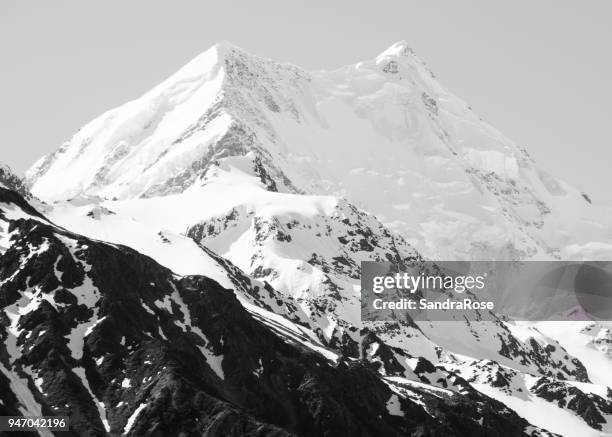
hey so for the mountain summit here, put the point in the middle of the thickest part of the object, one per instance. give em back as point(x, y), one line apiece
point(382, 133)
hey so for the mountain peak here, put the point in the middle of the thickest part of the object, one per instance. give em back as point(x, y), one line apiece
point(398, 49)
point(10, 180)
point(224, 47)
point(325, 133)
point(220, 50)
point(203, 67)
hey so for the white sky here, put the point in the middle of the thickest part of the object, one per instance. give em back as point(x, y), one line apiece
point(540, 71)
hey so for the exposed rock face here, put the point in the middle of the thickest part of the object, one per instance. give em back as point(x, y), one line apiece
point(589, 406)
point(9, 180)
point(123, 346)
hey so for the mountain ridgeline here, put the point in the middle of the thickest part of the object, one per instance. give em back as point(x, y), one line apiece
point(121, 345)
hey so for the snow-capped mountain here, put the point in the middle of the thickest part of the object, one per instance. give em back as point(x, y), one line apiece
point(276, 183)
point(382, 133)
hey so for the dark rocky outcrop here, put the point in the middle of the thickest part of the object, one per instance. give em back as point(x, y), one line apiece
point(113, 336)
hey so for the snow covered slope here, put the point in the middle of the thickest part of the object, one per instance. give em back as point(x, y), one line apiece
point(122, 346)
point(309, 248)
point(382, 133)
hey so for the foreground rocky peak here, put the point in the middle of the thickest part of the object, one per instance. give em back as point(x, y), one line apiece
point(121, 345)
point(8, 179)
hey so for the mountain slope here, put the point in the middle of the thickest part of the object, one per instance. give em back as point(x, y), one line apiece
point(382, 133)
point(123, 346)
point(309, 248)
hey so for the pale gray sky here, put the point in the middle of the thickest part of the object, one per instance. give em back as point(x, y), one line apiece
point(540, 71)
